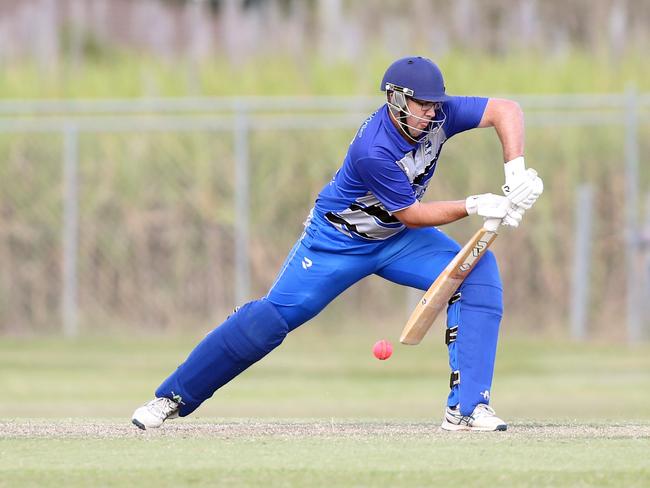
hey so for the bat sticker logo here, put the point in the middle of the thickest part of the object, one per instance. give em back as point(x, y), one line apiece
point(479, 248)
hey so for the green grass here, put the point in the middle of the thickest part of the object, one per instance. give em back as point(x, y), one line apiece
point(124, 74)
point(271, 426)
point(325, 373)
point(414, 461)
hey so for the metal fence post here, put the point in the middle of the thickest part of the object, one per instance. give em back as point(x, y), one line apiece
point(70, 230)
point(632, 217)
point(581, 262)
point(645, 247)
point(242, 208)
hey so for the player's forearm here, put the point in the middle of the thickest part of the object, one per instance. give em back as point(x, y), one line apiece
point(432, 213)
point(507, 118)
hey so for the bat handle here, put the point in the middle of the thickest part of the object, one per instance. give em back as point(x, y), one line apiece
point(491, 224)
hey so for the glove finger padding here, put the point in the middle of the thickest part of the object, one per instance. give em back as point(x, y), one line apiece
point(534, 195)
point(537, 183)
point(509, 221)
point(527, 191)
point(521, 193)
point(513, 217)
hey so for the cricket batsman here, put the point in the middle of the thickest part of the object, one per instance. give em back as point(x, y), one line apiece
point(369, 219)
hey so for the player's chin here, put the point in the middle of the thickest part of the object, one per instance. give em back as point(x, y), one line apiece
point(417, 132)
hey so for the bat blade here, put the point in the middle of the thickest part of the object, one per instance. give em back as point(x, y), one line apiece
point(439, 293)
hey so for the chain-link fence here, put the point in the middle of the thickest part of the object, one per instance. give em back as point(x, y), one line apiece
point(165, 214)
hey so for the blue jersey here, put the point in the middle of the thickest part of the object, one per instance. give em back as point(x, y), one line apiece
point(383, 173)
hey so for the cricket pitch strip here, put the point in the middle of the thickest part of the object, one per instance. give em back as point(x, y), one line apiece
point(325, 428)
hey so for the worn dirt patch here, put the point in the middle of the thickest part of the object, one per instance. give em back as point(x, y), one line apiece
point(252, 428)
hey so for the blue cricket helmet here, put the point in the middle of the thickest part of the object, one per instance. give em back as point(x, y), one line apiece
point(416, 77)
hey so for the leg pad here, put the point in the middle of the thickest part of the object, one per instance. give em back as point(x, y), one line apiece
point(245, 337)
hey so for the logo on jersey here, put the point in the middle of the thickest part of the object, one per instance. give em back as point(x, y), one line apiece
point(427, 147)
point(364, 125)
point(306, 262)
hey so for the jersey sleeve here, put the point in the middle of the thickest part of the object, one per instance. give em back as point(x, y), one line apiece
point(387, 182)
point(463, 113)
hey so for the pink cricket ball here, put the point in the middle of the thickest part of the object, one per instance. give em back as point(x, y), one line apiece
point(382, 349)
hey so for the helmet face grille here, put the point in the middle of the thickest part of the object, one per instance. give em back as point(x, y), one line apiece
point(399, 108)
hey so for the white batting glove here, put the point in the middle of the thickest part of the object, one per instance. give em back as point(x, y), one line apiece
point(523, 186)
point(514, 216)
point(491, 206)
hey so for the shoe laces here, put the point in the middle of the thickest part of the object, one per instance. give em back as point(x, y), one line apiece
point(163, 407)
point(483, 410)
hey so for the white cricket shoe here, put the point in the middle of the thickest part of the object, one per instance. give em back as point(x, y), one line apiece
point(482, 418)
point(152, 414)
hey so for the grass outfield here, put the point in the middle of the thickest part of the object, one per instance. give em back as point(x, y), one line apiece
point(321, 453)
point(321, 411)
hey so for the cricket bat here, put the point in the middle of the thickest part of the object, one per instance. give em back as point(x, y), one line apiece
point(437, 296)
